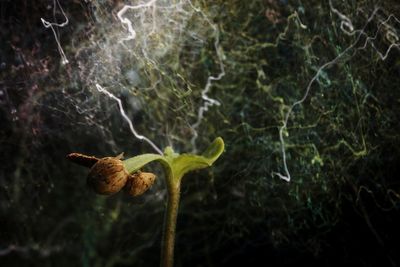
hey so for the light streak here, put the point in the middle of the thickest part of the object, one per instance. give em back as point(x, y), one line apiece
point(51, 25)
point(127, 22)
point(347, 27)
point(389, 35)
point(126, 118)
point(208, 101)
point(345, 23)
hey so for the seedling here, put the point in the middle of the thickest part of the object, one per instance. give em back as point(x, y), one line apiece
point(111, 174)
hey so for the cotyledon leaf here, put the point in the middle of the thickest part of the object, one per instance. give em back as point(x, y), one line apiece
point(178, 164)
point(181, 164)
point(134, 164)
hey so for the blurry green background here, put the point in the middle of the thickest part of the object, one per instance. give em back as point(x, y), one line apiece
point(342, 144)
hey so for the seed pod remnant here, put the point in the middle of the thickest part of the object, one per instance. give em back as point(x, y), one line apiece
point(139, 182)
point(108, 175)
point(83, 160)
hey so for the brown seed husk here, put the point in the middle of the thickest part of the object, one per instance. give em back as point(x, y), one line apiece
point(139, 182)
point(83, 160)
point(107, 176)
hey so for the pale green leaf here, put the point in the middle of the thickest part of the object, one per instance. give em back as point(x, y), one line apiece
point(134, 164)
point(184, 163)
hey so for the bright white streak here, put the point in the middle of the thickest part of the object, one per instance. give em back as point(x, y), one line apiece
point(208, 102)
point(345, 22)
point(129, 121)
point(51, 25)
point(383, 56)
point(389, 35)
point(127, 22)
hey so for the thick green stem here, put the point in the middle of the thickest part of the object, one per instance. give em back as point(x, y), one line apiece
point(168, 243)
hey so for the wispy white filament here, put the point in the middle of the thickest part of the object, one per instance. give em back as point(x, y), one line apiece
point(51, 25)
point(347, 27)
point(126, 118)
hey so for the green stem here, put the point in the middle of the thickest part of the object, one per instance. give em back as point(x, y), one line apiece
point(175, 167)
point(167, 247)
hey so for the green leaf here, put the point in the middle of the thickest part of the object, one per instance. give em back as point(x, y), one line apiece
point(134, 164)
point(214, 150)
point(178, 165)
point(181, 164)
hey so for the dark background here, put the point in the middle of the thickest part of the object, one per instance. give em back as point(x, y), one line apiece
point(344, 211)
